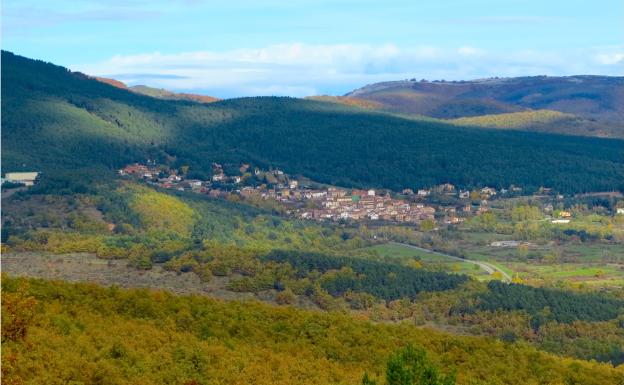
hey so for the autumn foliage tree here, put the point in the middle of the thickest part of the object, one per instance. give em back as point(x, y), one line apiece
point(17, 315)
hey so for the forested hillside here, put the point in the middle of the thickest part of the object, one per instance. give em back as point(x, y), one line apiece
point(587, 96)
point(590, 105)
point(59, 333)
point(102, 127)
point(544, 121)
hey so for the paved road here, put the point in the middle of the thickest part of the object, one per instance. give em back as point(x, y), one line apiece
point(488, 267)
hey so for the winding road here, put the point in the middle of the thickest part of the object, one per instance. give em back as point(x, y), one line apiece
point(488, 267)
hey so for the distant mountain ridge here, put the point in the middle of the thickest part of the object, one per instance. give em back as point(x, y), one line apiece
point(594, 104)
point(160, 93)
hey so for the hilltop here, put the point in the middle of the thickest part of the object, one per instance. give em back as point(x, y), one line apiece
point(159, 93)
point(593, 105)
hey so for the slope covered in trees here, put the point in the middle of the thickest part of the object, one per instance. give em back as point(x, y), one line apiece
point(153, 225)
point(102, 127)
point(544, 121)
point(544, 304)
point(384, 280)
point(577, 105)
point(248, 251)
point(593, 100)
point(59, 333)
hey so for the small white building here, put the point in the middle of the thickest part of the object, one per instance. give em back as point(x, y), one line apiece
point(506, 243)
point(27, 178)
point(195, 183)
point(488, 191)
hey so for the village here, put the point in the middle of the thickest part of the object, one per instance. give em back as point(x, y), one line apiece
point(309, 200)
point(306, 199)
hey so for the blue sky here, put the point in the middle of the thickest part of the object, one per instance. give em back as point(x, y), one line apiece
point(234, 48)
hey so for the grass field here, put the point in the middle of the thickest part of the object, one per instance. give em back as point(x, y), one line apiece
point(587, 264)
point(593, 252)
point(594, 274)
point(429, 260)
point(598, 263)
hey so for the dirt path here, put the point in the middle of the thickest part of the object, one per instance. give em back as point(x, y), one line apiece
point(488, 267)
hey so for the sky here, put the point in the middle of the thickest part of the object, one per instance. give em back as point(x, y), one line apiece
point(243, 47)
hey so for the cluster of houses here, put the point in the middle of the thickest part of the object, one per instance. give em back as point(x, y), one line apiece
point(338, 204)
point(168, 179)
point(327, 203)
point(450, 190)
point(219, 185)
point(321, 204)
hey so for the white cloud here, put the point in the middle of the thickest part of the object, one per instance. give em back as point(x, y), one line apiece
point(507, 20)
point(610, 58)
point(469, 51)
point(301, 69)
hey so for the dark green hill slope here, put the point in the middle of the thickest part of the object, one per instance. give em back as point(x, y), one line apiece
point(57, 121)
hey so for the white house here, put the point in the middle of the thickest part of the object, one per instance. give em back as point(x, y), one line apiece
point(27, 178)
point(488, 191)
point(194, 183)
